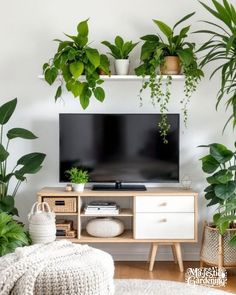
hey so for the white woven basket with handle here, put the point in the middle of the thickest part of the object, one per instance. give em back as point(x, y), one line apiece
point(42, 223)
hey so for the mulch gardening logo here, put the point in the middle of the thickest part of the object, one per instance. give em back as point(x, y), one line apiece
point(206, 276)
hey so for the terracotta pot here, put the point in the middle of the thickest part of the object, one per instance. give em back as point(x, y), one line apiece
point(171, 66)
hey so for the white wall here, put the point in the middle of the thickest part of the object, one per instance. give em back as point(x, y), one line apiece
point(27, 29)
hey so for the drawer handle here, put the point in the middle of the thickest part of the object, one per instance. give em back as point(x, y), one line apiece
point(163, 220)
point(60, 203)
point(163, 204)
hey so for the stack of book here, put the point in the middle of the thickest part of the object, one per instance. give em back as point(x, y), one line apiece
point(102, 208)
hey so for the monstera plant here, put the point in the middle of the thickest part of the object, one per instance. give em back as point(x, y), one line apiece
point(220, 165)
point(27, 164)
point(74, 58)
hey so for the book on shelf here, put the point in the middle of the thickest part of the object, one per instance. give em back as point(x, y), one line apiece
point(101, 208)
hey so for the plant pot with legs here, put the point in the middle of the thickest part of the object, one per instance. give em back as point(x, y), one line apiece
point(219, 237)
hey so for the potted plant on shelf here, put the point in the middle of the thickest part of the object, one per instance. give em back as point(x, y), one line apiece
point(28, 164)
point(219, 237)
point(221, 47)
point(73, 59)
point(120, 50)
point(78, 177)
point(12, 234)
point(168, 56)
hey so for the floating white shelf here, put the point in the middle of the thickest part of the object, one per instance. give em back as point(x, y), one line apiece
point(126, 77)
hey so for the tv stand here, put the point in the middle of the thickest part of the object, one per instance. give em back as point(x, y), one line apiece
point(118, 186)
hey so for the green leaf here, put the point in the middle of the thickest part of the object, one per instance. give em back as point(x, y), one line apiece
point(93, 56)
point(85, 96)
point(166, 30)
point(223, 176)
point(20, 132)
point(76, 69)
point(210, 195)
point(104, 63)
point(225, 191)
point(82, 28)
point(76, 88)
point(209, 164)
point(216, 217)
point(232, 241)
point(51, 75)
point(119, 42)
point(3, 153)
point(150, 38)
point(220, 153)
point(7, 204)
point(32, 158)
point(6, 111)
point(99, 93)
point(223, 227)
point(184, 19)
point(58, 93)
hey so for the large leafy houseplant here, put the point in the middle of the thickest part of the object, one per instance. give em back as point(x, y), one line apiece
point(74, 58)
point(220, 165)
point(153, 53)
point(27, 164)
point(12, 234)
point(221, 47)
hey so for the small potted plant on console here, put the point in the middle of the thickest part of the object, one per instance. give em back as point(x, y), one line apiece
point(78, 177)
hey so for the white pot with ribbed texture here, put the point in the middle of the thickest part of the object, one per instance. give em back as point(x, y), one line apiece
point(42, 223)
point(122, 66)
point(78, 187)
point(105, 227)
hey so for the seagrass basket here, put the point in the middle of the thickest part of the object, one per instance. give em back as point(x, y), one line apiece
point(215, 248)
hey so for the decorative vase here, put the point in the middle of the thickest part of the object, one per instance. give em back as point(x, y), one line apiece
point(105, 227)
point(171, 66)
point(78, 187)
point(122, 66)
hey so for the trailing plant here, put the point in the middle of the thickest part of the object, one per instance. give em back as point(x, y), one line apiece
point(12, 234)
point(27, 164)
point(120, 49)
point(154, 50)
point(78, 175)
point(221, 47)
point(220, 165)
point(74, 58)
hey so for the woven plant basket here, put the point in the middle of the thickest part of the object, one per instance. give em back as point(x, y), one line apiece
point(215, 248)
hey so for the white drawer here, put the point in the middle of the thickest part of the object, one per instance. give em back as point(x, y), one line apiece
point(165, 204)
point(164, 226)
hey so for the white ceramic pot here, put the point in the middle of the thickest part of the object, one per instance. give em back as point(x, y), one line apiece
point(122, 66)
point(105, 227)
point(78, 187)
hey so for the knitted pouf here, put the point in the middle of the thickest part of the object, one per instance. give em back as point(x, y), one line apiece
point(58, 268)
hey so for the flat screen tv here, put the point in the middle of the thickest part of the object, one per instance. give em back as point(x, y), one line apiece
point(124, 148)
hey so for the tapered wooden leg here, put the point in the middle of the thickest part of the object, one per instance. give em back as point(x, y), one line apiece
point(201, 263)
point(153, 256)
point(174, 253)
point(150, 253)
point(221, 252)
point(179, 256)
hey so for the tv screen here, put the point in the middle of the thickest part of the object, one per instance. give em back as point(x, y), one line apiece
point(119, 147)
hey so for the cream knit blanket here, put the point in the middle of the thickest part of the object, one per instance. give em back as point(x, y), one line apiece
point(84, 269)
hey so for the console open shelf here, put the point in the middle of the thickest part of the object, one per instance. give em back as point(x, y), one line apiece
point(123, 213)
